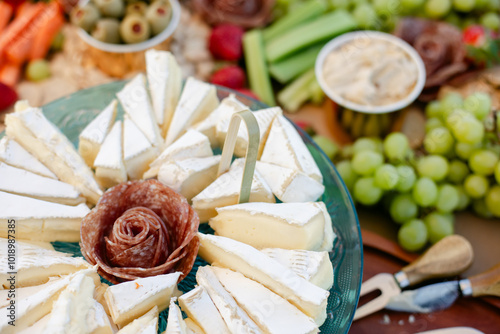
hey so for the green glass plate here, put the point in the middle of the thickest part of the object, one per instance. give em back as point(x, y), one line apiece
point(74, 112)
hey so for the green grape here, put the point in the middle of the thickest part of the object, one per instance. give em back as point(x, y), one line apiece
point(432, 123)
point(386, 7)
point(464, 151)
point(366, 192)
point(365, 16)
point(448, 198)
point(466, 128)
point(338, 4)
point(476, 186)
point(403, 208)
point(38, 70)
point(464, 5)
point(433, 166)
point(413, 235)
point(463, 199)
point(492, 200)
point(490, 20)
point(479, 104)
point(458, 171)
point(407, 178)
point(437, 8)
point(450, 102)
point(439, 141)
point(493, 5)
point(480, 208)
point(483, 162)
point(327, 145)
point(347, 173)
point(396, 146)
point(386, 177)
point(482, 4)
point(347, 152)
point(409, 5)
point(425, 192)
point(497, 173)
point(366, 162)
point(438, 226)
point(367, 144)
point(355, 3)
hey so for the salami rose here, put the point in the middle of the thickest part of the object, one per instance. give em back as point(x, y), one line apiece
point(140, 229)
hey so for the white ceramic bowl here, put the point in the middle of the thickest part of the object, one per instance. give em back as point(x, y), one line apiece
point(359, 36)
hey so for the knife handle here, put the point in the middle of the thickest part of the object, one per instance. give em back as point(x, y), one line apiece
point(448, 257)
point(486, 283)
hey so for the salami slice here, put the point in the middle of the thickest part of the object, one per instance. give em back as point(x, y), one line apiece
point(140, 229)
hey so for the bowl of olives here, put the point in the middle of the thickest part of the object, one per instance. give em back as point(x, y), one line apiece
point(118, 32)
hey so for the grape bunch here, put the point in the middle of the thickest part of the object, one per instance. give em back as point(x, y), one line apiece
point(457, 167)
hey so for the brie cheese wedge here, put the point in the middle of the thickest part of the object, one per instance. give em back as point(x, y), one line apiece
point(192, 327)
point(44, 221)
point(92, 137)
point(315, 267)
point(21, 182)
point(272, 313)
point(97, 320)
point(50, 146)
point(24, 292)
point(199, 307)
point(290, 185)
point(225, 191)
point(189, 176)
point(198, 99)
point(235, 255)
point(109, 167)
point(130, 300)
point(237, 321)
point(15, 155)
point(229, 106)
point(165, 84)
point(264, 119)
point(175, 322)
point(135, 101)
point(192, 144)
point(138, 152)
point(284, 147)
point(146, 324)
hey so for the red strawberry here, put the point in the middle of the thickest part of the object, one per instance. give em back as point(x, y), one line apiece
point(248, 93)
point(8, 96)
point(225, 42)
point(230, 76)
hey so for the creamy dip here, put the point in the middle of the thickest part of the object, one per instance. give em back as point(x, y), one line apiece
point(373, 72)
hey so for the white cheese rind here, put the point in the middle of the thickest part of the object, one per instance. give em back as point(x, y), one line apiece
point(175, 322)
point(15, 155)
point(109, 166)
point(284, 147)
point(138, 152)
point(271, 312)
point(198, 99)
point(50, 146)
point(199, 307)
point(252, 263)
point(92, 137)
point(135, 101)
point(193, 328)
point(146, 324)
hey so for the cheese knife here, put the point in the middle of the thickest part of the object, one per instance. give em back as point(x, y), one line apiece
point(448, 257)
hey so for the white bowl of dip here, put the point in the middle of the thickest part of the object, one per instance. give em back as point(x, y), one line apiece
point(370, 71)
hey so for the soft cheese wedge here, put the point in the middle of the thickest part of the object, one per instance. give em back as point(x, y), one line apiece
point(226, 109)
point(252, 263)
point(92, 137)
point(40, 220)
point(138, 152)
point(264, 118)
point(290, 185)
point(263, 225)
point(21, 182)
point(225, 191)
point(193, 328)
point(146, 324)
point(165, 84)
point(135, 101)
point(109, 167)
point(192, 144)
point(199, 307)
point(272, 313)
point(284, 147)
point(15, 155)
point(97, 320)
point(130, 300)
point(48, 144)
point(25, 292)
point(175, 322)
point(315, 267)
point(237, 321)
point(189, 176)
point(197, 101)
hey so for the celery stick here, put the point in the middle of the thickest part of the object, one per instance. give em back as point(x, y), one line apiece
point(305, 12)
point(297, 92)
point(258, 75)
point(326, 26)
point(293, 66)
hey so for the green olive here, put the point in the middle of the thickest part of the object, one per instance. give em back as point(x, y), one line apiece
point(107, 31)
point(85, 17)
point(158, 15)
point(134, 29)
point(138, 7)
point(111, 8)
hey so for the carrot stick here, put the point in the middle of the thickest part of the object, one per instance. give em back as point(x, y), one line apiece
point(10, 74)
point(5, 15)
point(23, 8)
point(49, 27)
point(18, 52)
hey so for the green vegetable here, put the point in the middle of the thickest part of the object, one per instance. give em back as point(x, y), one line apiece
point(325, 27)
point(293, 66)
point(258, 75)
point(297, 92)
point(307, 11)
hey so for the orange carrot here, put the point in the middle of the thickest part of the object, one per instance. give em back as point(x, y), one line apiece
point(50, 25)
point(18, 52)
point(10, 74)
point(5, 15)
